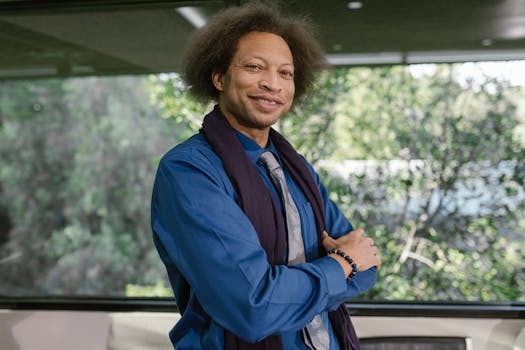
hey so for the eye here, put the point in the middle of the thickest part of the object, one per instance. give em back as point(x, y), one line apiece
point(253, 67)
point(287, 74)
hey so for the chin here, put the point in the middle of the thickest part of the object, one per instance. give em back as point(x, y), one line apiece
point(263, 124)
point(268, 119)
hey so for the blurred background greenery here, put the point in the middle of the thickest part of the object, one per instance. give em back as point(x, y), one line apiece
point(430, 162)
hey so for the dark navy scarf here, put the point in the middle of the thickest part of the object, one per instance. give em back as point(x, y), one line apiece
point(256, 201)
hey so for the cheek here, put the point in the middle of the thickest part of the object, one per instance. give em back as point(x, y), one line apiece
point(291, 91)
point(245, 81)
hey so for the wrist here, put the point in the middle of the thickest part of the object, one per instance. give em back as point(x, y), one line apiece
point(344, 265)
point(346, 262)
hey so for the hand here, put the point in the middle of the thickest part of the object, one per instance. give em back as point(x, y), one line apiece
point(357, 246)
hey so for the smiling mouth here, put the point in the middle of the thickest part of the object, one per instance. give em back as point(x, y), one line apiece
point(266, 101)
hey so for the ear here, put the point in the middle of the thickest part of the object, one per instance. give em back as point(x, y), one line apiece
point(217, 80)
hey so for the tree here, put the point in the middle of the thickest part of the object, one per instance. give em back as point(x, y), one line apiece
point(445, 190)
point(76, 175)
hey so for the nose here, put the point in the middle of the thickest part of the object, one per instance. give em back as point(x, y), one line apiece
point(270, 82)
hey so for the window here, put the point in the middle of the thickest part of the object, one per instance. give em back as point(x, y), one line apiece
point(429, 159)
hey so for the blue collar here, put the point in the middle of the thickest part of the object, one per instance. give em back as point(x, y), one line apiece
point(253, 150)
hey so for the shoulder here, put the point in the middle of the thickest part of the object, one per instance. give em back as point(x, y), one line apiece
point(193, 157)
point(195, 145)
point(195, 151)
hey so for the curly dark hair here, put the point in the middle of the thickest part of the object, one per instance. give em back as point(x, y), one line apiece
point(212, 47)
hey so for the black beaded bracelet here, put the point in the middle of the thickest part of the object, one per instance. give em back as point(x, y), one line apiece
point(348, 260)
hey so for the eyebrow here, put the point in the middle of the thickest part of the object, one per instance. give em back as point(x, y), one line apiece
point(263, 59)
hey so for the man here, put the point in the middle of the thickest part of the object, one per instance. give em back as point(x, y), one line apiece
point(249, 258)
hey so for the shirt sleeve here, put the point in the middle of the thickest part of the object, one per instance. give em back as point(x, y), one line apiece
point(337, 225)
point(205, 234)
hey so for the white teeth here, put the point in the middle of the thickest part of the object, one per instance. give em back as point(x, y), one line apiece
point(267, 101)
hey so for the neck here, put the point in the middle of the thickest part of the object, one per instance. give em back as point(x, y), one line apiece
point(258, 135)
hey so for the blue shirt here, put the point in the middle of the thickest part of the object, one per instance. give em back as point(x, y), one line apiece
point(217, 267)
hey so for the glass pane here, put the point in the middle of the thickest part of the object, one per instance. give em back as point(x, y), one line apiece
point(78, 160)
point(429, 159)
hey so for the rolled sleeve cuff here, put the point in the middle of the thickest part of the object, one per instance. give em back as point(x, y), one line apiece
point(362, 282)
point(334, 274)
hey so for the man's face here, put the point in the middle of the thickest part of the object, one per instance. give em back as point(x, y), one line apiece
point(258, 87)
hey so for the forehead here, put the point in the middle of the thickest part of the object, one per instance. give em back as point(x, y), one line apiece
point(264, 44)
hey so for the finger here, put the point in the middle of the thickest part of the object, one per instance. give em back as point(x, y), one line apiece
point(368, 241)
point(379, 262)
point(357, 233)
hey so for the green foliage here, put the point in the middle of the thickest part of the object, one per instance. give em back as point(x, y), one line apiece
point(443, 196)
point(169, 93)
point(308, 126)
point(76, 180)
point(158, 290)
point(431, 167)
